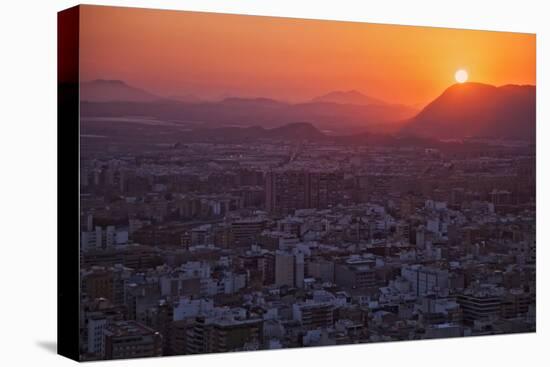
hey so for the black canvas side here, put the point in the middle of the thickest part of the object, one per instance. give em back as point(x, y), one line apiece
point(68, 263)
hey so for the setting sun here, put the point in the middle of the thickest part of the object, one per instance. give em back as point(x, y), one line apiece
point(461, 76)
point(425, 58)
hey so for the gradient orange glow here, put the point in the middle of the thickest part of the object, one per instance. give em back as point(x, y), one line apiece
point(215, 55)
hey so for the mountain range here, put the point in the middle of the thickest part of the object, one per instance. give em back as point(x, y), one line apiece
point(337, 112)
point(102, 90)
point(348, 97)
point(462, 110)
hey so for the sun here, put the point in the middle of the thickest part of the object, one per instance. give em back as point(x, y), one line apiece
point(461, 76)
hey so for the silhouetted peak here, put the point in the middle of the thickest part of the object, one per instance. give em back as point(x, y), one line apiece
point(104, 90)
point(477, 109)
point(351, 96)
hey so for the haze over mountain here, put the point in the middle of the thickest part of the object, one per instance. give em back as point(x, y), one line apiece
point(297, 131)
point(132, 131)
point(348, 97)
point(117, 99)
point(462, 110)
point(478, 110)
point(102, 90)
point(100, 134)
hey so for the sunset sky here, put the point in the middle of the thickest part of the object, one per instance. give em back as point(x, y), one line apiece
point(216, 55)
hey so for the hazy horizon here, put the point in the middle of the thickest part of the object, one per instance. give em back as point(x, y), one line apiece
point(292, 60)
point(222, 96)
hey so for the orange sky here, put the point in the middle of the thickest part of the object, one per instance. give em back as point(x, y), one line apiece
point(216, 55)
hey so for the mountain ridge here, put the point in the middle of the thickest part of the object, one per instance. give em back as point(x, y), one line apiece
point(478, 109)
point(348, 97)
point(242, 111)
point(106, 90)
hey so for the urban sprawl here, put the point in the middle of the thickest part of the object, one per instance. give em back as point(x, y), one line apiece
point(206, 248)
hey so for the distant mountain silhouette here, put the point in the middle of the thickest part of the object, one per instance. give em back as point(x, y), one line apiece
point(348, 97)
point(125, 132)
point(289, 132)
point(259, 101)
point(102, 90)
point(297, 130)
point(478, 110)
point(263, 112)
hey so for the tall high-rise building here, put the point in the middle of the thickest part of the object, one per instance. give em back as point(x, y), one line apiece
point(289, 190)
point(286, 191)
point(96, 329)
point(289, 269)
point(426, 280)
point(324, 189)
point(245, 232)
point(313, 314)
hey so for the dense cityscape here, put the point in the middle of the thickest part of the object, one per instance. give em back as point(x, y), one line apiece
point(207, 247)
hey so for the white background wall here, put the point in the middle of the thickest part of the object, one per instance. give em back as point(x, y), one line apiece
point(28, 182)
